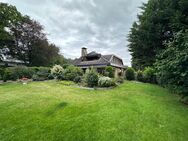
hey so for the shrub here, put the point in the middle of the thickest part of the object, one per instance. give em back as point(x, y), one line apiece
point(57, 70)
point(109, 71)
point(77, 79)
point(172, 64)
point(139, 76)
point(42, 74)
point(35, 77)
point(106, 82)
point(23, 71)
point(71, 72)
point(91, 78)
point(184, 100)
point(9, 75)
point(2, 71)
point(14, 73)
point(130, 74)
point(149, 75)
point(50, 76)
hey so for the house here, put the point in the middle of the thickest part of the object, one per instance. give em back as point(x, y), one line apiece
point(8, 61)
point(99, 61)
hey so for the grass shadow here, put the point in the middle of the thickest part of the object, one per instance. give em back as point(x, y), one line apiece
point(58, 107)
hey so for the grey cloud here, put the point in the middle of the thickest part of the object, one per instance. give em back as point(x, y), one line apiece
point(100, 25)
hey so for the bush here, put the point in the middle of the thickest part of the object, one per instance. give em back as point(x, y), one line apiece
point(50, 76)
point(109, 72)
point(9, 75)
point(14, 73)
point(139, 76)
point(77, 79)
point(71, 72)
point(149, 75)
point(2, 71)
point(172, 64)
point(23, 71)
point(36, 77)
point(18, 72)
point(57, 71)
point(106, 82)
point(91, 78)
point(130, 74)
point(43, 73)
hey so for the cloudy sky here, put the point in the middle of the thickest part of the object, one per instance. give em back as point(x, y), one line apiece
point(99, 25)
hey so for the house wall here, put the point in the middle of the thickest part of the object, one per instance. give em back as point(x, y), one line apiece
point(118, 72)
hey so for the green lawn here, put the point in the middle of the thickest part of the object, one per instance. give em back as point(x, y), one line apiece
point(46, 111)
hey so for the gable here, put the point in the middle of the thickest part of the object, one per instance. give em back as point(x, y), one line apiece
point(116, 61)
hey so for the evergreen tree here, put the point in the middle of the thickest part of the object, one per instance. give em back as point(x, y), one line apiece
point(156, 25)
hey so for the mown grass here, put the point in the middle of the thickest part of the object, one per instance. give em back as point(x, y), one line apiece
point(55, 111)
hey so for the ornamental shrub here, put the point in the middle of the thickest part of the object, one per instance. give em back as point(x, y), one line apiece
point(130, 74)
point(77, 79)
point(43, 73)
point(91, 78)
point(149, 75)
point(109, 71)
point(106, 82)
point(71, 72)
point(139, 76)
point(57, 70)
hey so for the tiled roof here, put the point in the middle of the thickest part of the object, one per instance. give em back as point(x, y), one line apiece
point(103, 60)
point(100, 61)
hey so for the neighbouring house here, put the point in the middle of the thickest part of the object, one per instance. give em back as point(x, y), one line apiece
point(99, 61)
point(8, 61)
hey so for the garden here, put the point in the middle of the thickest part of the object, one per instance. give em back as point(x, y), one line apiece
point(58, 111)
point(68, 73)
point(89, 78)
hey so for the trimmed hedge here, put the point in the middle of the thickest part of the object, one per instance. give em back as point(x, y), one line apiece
point(14, 73)
point(18, 72)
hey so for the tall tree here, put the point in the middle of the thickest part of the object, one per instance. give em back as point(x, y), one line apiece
point(156, 25)
point(172, 64)
point(24, 39)
point(26, 34)
point(9, 16)
point(43, 53)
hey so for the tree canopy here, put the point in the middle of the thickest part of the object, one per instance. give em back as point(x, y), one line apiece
point(156, 25)
point(24, 38)
point(159, 40)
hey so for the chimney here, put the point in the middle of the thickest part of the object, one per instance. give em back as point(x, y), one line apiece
point(84, 51)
